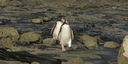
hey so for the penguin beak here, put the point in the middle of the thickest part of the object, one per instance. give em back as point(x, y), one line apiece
point(67, 22)
point(62, 20)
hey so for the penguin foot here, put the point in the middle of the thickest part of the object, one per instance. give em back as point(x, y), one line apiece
point(54, 37)
point(60, 43)
point(69, 46)
point(63, 49)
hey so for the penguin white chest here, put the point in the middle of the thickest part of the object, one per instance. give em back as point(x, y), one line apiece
point(57, 28)
point(65, 34)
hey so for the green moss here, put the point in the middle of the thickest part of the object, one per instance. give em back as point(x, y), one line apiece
point(90, 52)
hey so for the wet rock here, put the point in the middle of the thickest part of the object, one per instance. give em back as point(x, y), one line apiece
point(49, 41)
point(88, 38)
point(16, 49)
point(30, 37)
point(11, 62)
point(89, 42)
point(74, 61)
point(111, 44)
point(46, 19)
point(9, 32)
point(78, 46)
point(6, 42)
point(37, 21)
point(35, 63)
point(123, 52)
point(110, 37)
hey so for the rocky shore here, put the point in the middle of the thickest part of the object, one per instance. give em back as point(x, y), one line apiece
point(99, 29)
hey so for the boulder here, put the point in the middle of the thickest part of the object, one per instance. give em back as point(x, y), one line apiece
point(89, 42)
point(6, 42)
point(49, 41)
point(88, 38)
point(9, 32)
point(123, 52)
point(111, 44)
point(46, 19)
point(30, 37)
point(74, 61)
point(37, 21)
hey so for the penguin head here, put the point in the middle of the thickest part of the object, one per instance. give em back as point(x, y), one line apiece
point(62, 20)
point(66, 22)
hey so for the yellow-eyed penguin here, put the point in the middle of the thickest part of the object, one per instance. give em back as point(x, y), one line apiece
point(56, 28)
point(65, 35)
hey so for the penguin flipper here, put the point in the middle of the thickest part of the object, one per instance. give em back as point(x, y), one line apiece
point(59, 32)
point(53, 28)
point(72, 34)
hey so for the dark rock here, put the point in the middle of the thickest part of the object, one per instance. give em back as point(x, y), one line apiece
point(109, 37)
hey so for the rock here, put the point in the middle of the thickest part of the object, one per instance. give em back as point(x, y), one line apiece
point(16, 49)
point(74, 61)
point(123, 52)
point(49, 41)
point(9, 32)
point(30, 37)
point(35, 63)
point(37, 21)
point(114, 8)
point(89, 42)
point(78, 46)
point(6, 42)
point(110, 37)
point(46, 19)
point(88, 38)
point(111, 44)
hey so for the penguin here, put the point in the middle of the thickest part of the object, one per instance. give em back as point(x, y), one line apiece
point(55, 29)
point(65, 35)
